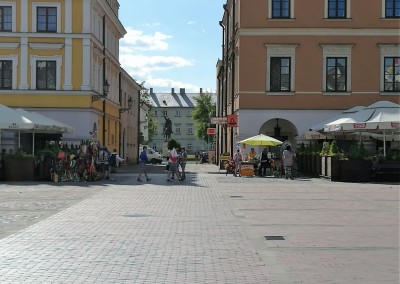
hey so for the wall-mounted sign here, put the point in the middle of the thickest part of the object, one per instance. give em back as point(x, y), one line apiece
point(232, 120)
point(218, 120)
point(211, 131)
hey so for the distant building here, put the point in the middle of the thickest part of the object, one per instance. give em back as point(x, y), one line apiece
point(178, 107)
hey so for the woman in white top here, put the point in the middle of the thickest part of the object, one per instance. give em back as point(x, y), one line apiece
point(288, 158)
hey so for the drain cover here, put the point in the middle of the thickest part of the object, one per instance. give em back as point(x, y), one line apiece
point(274, 238)
point(135, 215)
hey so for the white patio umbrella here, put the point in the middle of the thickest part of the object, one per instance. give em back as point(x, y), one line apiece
point(377, 117)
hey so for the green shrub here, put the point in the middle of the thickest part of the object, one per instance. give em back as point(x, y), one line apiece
point(20, 155)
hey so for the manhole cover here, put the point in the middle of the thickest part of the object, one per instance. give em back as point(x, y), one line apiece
point(274, 238)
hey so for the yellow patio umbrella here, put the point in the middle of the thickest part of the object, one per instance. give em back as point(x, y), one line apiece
point(261, 140)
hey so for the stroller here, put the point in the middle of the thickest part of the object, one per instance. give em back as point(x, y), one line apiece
point(230, 167)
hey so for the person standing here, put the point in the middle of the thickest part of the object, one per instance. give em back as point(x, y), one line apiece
point(173, 160)
point(182, 161)
point(264, 163)
point(237, 157)
point(143, 161)
point(288, 158)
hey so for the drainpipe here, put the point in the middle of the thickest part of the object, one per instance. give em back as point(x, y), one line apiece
point(222, 104)
point(104, 78)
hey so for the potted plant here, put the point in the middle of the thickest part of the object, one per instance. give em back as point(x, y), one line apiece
point(19, 166)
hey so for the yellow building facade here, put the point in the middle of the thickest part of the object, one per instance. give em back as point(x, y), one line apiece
point(56, 57)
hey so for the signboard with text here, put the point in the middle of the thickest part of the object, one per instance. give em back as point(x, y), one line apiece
point(218, 120)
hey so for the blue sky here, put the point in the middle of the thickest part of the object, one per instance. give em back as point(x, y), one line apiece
point(172, 44)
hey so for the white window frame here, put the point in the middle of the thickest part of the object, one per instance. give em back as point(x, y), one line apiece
point(165, 113)
point(45, 4)
point(178, 113)
point(336, 50)
point(14, 59)
point(348, 11)
point(281, 50)
point(190, 131)
point(35, 58)
point(13, 12)
point(387, 50)
point(280, 19)
point(177, 130)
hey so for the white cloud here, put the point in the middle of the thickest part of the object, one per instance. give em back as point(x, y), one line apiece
point(137, 40)
point(142, 67)
point(191, 23)
point(141, 64)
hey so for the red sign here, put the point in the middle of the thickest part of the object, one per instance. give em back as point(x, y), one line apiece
point(359, 125)
point(395, 124)
point(211, 131)
point(232, 120)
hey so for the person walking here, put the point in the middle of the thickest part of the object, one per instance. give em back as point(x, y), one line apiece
point(143, 160)
point(182, 162)
point(288, 157)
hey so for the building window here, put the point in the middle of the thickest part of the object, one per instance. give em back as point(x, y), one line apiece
point(189, 113)
point(178, 113)
point(337, 68)
point(47, 19)
point(5, 18)
point(336, 74)
point(392, 8)
point(337, 9)
point(178, 131)
point(46, 75)
point(190, 130)
point(165, 113)
point(281, 60)
point(189, 147)
point(6, 74)
point(392, 74)
point(280, 74)
point(280, 9)
point(155, 113)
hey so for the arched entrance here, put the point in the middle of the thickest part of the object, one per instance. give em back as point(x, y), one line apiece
point(281, 129)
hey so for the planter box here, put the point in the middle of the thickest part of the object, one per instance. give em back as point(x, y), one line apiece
point(356, 170)
point(20, 170)
point(332, 167)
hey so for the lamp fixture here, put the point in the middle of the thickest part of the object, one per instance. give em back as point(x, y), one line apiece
point(277, 129)
point(106, 89)
point(130, 102)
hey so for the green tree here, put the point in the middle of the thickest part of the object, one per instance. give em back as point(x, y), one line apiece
point(202, 113)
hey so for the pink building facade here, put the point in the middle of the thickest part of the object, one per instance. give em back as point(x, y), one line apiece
point(289, 64)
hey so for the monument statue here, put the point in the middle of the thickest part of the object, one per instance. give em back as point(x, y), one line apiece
point(167, 129)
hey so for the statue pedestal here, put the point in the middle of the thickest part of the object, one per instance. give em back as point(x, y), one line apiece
point(165, 149)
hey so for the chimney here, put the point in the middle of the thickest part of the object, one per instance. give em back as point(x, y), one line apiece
point(172, 91)
point(182, 91)
point(151, 91)
point(201, 90)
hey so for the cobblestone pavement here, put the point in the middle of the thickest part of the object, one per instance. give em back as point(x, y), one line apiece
point(210, 228)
